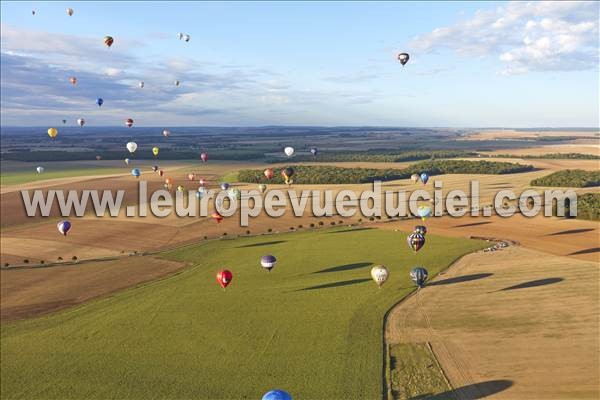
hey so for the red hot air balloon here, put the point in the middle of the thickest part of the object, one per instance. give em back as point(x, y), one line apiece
point(204, 157)
point(73, 80)
point(224, 278)
point(217, 217)
point(269, 173)
point(161, 172)
point(129, 122)
point(108, 41)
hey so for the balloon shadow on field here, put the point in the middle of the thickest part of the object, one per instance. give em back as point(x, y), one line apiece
point(335, 284)
point(261, 244)
point(345, 267)
point(472, 224)
point(459, 279)
point(586, 251)
point(469, 392)
point(539, 282)
point(571, 231)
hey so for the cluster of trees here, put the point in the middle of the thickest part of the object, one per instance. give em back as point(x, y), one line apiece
point(552, 156)
point(321, 174)
point(576, 178)
point(381, 156)
point(588, 206)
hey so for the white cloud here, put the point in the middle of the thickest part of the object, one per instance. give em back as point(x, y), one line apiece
point(535, 36)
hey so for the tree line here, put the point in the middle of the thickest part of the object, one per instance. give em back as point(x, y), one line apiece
point(325, 174)
point(576, 178)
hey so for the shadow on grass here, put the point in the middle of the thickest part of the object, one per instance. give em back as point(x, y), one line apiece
point(345, 267)
point(261, 244)
point(335, 284)
point(351, 230)
point(459, 279)
point(530, 284)
point(571, 231)
point(586, 251)
point(472, 224)
point(469, 392)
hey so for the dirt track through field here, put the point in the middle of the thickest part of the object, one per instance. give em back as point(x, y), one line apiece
point(513, 319)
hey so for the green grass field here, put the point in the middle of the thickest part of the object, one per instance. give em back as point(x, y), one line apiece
point(313, 326)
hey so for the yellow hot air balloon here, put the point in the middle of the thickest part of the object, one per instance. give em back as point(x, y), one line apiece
point(52, 132)
point(155, 151)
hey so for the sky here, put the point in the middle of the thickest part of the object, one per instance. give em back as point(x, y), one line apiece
point(472, 64)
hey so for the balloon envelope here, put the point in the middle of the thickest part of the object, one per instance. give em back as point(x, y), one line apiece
point(81, 122)
point(129, 122)
point(224, 278)
point(422, 229)
point(419, 276)
point(155, 151)
point(262, 188)
point(268, 262)
point(99, 101)
point(204, 157)
point(424, 212)
point(424, 178)
point(136, 172)
point(415, 178)
point(269, 173)
point(289, 151)
point(415, 241)
point(108, 41)
point(52, 132)
point(39, 170)
point(403, 58)
point(277, 395)
point(64, 227)
point(224, 186)
point(380, 274)
point(132, 147)
point(166, 132)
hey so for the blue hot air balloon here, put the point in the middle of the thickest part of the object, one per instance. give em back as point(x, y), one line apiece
point(99, 101)
point(419, 276)
point(224, 185)
point(268, 262)
point(64, 227)
point(136, 172)
point(424, 178)
point(277, 395)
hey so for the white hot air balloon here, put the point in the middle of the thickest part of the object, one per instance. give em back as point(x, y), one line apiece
point(132, 147)
point(141, 84)
point(380, 274)
point(186, 38)
point(180, 36)
point(289, 151)
point(166, 132)
point(39, 170)
point(81, 122)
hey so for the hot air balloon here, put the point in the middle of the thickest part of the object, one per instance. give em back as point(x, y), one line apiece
point(179, 35)
point(180, 188)
point(415, 241)
point(69, 11)
point(98, 158)
point(224, 186)
point(39, 170)
point(64, 121)
point(52, 132)
point(204, 156)
point(200, 192)
point(234, 193)
point(421, 229)
point(419, 276)
point(166, 132)
point(201, 181)
point(141, 84)
point(176, 82)
point(277, 395)
point(191, 176)
point(268, 262)
point(132, 147)
point(289, 151)
point(217, 217)
point(262, 188)
point(154, 168)
point(64, 227)
point(380, 274)
point(108, 41)
point(314, 151)
point(269, 173)
point(424, 178)
point(287, 175)
point(224, 278)
point(403, 58)
point(32, 12)
point(415, 178)
point(186, 38)
point(73, 80)
point(161, 172)
point(424, 212)
point(129, 122)
point(81, 122)
point(127, 161)
point(155, 151)
point(99, 101)
point(169, 181)
point(136, 172)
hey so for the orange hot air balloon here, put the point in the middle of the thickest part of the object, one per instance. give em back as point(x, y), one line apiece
point(224, 278)
point(191, 177)
point(269, 173)
point(73, 80)
point(169, 181)
point(217, 217)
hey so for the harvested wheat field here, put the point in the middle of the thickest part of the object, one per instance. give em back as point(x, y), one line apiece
point(35, 291)
point(510, 324)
